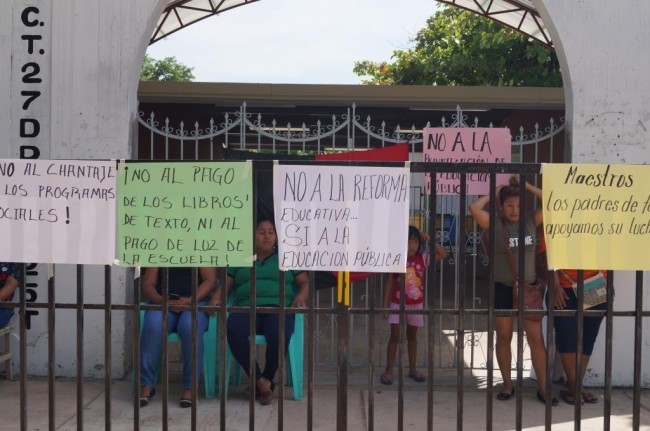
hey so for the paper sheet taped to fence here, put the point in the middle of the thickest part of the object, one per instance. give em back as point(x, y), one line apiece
point(465, 145)
point(185, 214)
point(597, 216)
point(57, 211)
point(341, 218)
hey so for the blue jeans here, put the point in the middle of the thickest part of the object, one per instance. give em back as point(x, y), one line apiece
point(267, 325)
point(151, 341)
point(5, 316)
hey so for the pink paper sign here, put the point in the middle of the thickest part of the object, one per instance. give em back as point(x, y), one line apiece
point(465, 145)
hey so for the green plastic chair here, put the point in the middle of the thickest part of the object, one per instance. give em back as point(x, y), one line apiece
point(294, 354)
point(209, 352)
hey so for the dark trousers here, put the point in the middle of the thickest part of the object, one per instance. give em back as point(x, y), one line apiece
point(266, 324)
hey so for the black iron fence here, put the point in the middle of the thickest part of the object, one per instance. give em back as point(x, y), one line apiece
point(341, 314)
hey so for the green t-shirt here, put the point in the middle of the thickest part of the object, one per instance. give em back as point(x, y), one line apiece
point(502, 270)
point(267, 283)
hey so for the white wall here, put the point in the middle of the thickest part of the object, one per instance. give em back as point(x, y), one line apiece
point(88, 56)
point(91, 55)
point(603, 49)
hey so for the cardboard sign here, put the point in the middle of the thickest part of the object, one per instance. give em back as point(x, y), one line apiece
point(597, 216)
point(185, 214)
point(341, 218)
point(57, 211)
point(465, 145)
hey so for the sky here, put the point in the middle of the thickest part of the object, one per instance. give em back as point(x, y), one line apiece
point(295, 41)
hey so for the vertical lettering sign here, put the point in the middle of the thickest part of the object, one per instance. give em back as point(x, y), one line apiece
point(341, 218)
point(58, 211)
point(185, 214)
point(29, 103)
point(597, 216)
point(465, 145)
point(31, 78)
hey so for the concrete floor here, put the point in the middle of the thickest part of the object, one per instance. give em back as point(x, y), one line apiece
point(295, 412)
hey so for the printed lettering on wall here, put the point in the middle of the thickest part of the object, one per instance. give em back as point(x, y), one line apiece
point(30, 104)
point(341, 218)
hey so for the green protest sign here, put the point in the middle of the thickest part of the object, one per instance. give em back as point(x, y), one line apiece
point(185, 214)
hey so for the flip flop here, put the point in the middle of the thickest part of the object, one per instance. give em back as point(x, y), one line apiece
point(568, 398)
point(417, 376)
point(540, 397)
point(589, 398)
point(386, 379)
point(505, 396)
point(266, 397)
point(144, 400)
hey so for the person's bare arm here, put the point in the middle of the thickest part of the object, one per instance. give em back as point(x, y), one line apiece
point(8, 289)
point(216, 296)
point(440, 252)
point(388, 291)
point(149, 280)
point(301, 281)
point(478, 211)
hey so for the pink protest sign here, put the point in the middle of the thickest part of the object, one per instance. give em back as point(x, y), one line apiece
point(465, 145)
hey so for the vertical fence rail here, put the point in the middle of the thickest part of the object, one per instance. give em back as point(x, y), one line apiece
point(638, 344)
point(108, 328)
point(462, 311)
point(80, 349)
point(51, 347)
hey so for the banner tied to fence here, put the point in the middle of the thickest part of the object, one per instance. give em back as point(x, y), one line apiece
point(187, 214)
point(57, 211)
point(465, 145)
point(341, 218)
point(597, 216)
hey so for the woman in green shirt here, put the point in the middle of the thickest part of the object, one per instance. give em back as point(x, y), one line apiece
point(267, 294)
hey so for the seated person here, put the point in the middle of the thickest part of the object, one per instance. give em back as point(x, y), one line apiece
point(179, 321)
point(9, 276)
point(267, 295)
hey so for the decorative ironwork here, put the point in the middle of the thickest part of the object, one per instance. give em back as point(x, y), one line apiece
point(253, 132)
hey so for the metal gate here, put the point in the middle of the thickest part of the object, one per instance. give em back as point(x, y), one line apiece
point(242, 130)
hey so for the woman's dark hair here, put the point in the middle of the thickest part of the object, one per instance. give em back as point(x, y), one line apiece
point(415, 233)
point(508, 192)
point(262, 219)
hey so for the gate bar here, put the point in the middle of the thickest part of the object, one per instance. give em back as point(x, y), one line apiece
point(80, 342)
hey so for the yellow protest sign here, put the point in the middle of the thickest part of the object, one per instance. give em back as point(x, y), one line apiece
point(597, 216)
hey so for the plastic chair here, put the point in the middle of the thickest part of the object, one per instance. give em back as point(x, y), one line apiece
point(6, 355)
point(209, 352)
point(294, 354)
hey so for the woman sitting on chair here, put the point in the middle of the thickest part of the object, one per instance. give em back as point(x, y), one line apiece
point(267, 294)
point(179, 321)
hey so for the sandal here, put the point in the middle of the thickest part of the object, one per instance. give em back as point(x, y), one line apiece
point(589, 398)
point(185, 403)
point(540, 397)
point(568, 398)
point(144, 399)
point(505, 396)
point(386, 379)
point(266, 397)
point(417, 376)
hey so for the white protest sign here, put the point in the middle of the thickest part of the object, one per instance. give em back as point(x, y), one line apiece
point(57, 211)
point(341, 218)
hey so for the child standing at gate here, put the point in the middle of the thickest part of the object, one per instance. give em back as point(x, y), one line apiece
point(416, 262)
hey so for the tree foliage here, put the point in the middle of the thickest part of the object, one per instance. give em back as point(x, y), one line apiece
point(462, 48)
point(167, 69)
